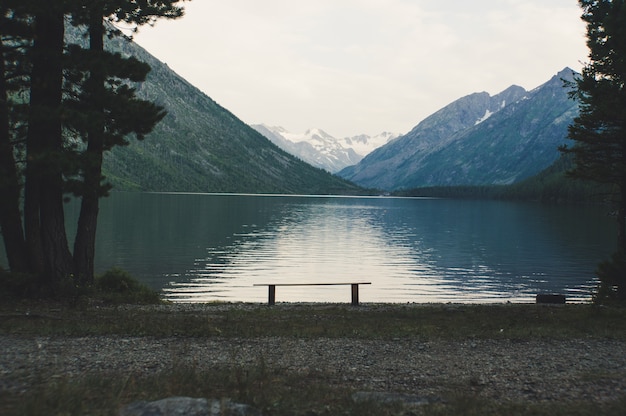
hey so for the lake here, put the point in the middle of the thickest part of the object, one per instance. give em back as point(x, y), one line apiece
point(208, 247)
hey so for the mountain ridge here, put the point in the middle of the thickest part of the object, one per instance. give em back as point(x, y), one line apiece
point(475, 140)
point(202, 147)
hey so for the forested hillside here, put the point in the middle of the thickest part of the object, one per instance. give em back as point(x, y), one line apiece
point(550, 185)
point(202, 147)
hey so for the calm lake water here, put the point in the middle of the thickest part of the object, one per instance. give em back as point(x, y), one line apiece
point(199, 247)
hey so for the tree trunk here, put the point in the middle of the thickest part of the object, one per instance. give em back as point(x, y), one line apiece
point(85, 242)
point(32, 223)
point(44, 181)
point(621, 220)
point(10, 189)
point(620, 279)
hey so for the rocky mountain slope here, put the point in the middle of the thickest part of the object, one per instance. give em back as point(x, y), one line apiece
point(476, 140)
point(202, 147)
point(321, 149)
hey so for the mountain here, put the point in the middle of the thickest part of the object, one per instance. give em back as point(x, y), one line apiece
point(550, 185)
point(363, 144)
point(201, 147)
point(321, 149)
point(476, 140)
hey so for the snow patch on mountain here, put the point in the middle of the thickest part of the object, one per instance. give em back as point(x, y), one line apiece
point(321, 149)
point(363, 144)
point(485, 117)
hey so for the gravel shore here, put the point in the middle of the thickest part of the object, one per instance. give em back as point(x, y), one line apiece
point(536, 370)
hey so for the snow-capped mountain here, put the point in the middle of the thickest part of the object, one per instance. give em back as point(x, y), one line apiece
point(476, 140)
point(363, 144)
point(320, 149)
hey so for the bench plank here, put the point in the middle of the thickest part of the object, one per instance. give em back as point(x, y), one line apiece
point(312, 284)
point(271, 288)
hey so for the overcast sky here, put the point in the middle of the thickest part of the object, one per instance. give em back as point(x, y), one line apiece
point(363, 66)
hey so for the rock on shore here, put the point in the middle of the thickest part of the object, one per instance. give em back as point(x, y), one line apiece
point(188, 406)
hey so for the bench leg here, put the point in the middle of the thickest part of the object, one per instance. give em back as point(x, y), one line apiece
point(355, 294)
point(271, 299)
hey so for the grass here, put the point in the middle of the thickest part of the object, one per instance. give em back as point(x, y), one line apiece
point(422, 322)
point(272, 392)
point(115, 286)
point(277, 392)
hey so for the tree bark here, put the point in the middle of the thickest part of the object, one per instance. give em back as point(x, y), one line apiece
point(621, 220)
point(85, 242)
point(44, 181)
point(10, 189)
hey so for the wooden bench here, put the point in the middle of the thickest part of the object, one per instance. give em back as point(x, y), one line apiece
point(272, 289)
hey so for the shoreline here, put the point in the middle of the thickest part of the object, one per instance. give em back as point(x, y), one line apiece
point(424, 352)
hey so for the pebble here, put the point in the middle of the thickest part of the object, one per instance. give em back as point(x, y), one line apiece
point(536, 369)
point(502, 369)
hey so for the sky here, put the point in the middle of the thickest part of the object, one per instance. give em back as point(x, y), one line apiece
point(363, 66)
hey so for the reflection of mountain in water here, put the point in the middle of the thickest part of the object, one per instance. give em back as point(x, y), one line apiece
point(200, 247)
point(411, 250)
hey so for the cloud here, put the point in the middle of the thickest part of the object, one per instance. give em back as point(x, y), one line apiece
point(351, 66)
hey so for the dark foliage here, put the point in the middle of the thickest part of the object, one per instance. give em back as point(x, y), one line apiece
point(599, 132)
point(61, 107)
point(612, 276)
point(118, 286)
point(551, 185)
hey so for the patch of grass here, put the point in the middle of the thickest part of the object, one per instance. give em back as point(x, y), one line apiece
point(115, 286)
point(94, 395)
point(17, 285)
point(273, 392)
point(118, 286)
point(422, 322)
point(470, 405)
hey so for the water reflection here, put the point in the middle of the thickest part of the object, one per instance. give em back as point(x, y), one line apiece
point(199, 248)
point(411, 250)
point(313, 242)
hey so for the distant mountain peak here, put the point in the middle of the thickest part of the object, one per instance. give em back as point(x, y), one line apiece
point(567, 73)
point(322, 150)
point(316, 132)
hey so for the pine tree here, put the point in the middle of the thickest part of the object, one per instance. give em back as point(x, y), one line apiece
point(15, 37)
point(113, 110)
point(71, 92)
point(599, 131)
point(49, 254)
